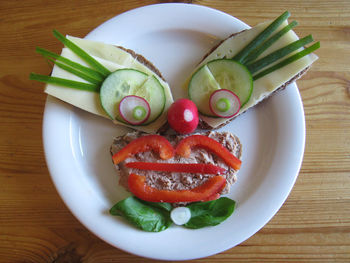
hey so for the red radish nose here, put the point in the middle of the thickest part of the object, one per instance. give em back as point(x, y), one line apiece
point(183, 116)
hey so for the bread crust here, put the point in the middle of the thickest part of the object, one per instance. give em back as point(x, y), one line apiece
point(143, 61)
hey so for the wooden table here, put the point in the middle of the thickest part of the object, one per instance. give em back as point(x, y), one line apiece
point(35, 226)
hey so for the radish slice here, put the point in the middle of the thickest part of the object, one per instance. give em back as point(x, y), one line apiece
point(180, 215)
point(134, 109)
point(224, 103)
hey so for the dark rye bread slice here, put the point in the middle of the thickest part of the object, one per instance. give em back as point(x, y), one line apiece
point(204, 125)
point(143, 61)
point(177, 181)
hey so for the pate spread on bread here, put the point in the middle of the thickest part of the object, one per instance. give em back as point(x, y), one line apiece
point(172, 180)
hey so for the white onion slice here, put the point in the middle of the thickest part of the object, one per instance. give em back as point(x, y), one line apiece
point(180, 215)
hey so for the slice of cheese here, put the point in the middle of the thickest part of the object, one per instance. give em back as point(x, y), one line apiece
point(113, 58)
point(264, 86)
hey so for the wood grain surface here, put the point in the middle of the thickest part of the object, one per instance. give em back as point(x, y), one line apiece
point(35, 226)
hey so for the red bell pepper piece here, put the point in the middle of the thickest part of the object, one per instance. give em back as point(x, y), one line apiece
point(185, 146)
point(145, 143)
point(178, 167)
point(209, 189)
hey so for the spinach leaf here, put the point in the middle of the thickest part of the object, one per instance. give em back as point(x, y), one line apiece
point(146, 217)
point(166, 206)
point(210, 213)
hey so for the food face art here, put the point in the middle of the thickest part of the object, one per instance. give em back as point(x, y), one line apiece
point(177, 170)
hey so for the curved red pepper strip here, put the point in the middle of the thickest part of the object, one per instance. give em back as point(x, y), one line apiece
point(206, 191)
point(185, 146)
point(201, 168)
point(143, 144)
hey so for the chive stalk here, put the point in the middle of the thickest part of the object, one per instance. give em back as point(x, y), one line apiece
point(288, 60)
point(75, 72)
point(261, 37)
point(65, 82)
point(265, 45)
point(88, 71)
point(82, 54)
point(280, 53)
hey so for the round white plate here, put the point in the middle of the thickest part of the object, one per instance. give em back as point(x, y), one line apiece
point(174, 37)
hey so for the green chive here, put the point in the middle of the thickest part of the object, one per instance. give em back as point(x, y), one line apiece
point(280, 53)
point(82, 54)
point(75, 72)
point(287, 61)
point(88, 71)
point(65, 82)
point(261, 37)
point(260, 49)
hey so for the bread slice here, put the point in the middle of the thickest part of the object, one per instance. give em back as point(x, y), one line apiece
point(178, 181)
point(265, 86)
point(113, 58)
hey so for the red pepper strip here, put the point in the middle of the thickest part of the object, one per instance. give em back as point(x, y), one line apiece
point(185, 145)
point(201, 168)
point(137, 185)
point(143, 144)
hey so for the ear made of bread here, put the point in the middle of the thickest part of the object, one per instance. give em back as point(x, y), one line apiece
point(113, 58)
point(265, 86)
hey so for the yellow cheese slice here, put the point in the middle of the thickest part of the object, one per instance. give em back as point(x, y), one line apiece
point(112, 58)
point(264, 86)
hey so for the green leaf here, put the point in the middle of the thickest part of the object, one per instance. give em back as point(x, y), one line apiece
point(146, 217)
point(210, 213)
point(165, 206)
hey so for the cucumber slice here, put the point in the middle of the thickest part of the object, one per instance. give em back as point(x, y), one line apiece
point(126, 82)
point(219, 74)
point(201, 86)
point(154, 93)
point(234, 76)
point(116, 86)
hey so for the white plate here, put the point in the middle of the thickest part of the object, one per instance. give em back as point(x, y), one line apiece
point(174, 37)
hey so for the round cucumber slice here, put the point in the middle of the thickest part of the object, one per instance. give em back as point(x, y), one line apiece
point(116, 86)
point(234, 76)
point(154, 93)
point(126, 82)
point(201, 86)
point(219, 74)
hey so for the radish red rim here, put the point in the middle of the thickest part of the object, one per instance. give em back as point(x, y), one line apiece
point(224, 103)
point(134, 109)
